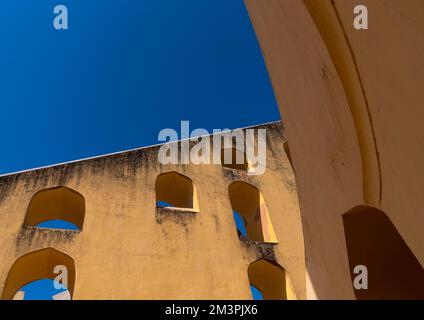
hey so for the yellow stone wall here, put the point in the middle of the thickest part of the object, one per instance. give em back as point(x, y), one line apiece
point(129, 249)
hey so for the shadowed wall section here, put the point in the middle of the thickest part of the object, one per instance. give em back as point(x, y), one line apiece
point(373, 241)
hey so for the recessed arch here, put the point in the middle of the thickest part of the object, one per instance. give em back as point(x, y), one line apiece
point(373, 241)
point(237, 161)
point(249, 203)
point(176, 190)
point(59, 203)
point(37, 265)
point(271, 280)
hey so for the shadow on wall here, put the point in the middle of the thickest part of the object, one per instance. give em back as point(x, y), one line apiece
point(373, 241)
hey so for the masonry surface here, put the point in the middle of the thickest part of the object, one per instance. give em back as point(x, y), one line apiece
point(352, 105)
point(130, 249)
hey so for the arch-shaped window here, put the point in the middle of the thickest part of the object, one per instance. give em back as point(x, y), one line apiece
point(248, 202)
point(57, 208)
point(38, 265)
point(271, 280)
point(234, 159)
point(176, 190)
point(392, 269)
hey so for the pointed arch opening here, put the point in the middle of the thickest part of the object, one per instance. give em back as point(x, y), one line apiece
point(174, 190)
point(39, 265)
point(234, 158)
point(56, 208)
point(271, 280)
point(393, 272)
point(250, 212)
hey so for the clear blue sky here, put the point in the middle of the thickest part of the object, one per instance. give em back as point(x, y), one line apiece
point(123, 71)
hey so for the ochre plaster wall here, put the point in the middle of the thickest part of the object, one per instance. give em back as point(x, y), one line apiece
point(352, 103)
point(129, 250)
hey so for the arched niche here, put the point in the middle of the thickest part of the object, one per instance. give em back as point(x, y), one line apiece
point(176, 190)
point(38, 265)
point(59, 203)
point(271, 280)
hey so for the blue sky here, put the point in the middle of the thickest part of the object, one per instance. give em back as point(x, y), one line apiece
point(43, 289)
point(122, 72)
